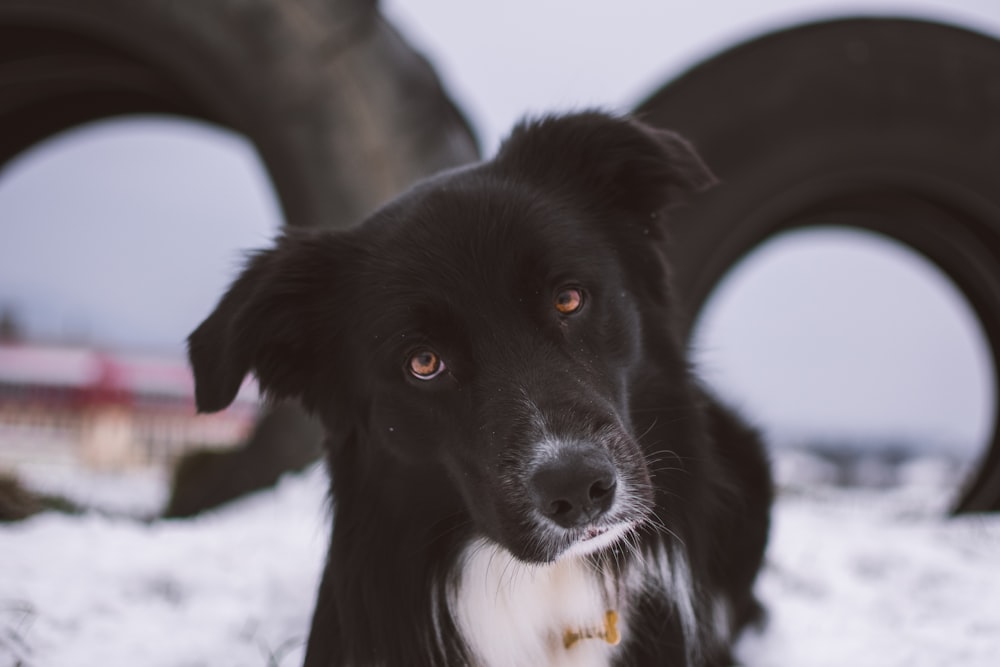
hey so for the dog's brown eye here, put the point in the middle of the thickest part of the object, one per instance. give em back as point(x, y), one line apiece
point(425, 365)
point(569, 300)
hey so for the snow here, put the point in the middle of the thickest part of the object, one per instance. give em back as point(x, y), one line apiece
point(140, 493)
point(234, 587)
point(859, 577)
point(865, 578)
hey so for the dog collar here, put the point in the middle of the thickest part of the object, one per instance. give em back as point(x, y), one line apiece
point(609, 632)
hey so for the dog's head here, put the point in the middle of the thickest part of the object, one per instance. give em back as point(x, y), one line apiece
point(484, 331)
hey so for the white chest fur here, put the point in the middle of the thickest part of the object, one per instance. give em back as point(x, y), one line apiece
point(517, 615)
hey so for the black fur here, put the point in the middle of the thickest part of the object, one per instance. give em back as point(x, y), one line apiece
point(468, 265)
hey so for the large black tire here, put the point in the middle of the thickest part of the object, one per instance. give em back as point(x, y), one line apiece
point(881, 124)
point(343, 113)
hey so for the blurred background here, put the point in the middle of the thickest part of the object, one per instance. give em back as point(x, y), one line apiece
point(117, 237)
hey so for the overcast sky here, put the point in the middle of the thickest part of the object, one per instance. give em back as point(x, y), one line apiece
point(125, 233)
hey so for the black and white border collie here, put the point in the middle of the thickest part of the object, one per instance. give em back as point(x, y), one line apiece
point(524, 471)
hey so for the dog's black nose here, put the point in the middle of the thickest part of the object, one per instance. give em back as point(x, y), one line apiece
point(574, 490)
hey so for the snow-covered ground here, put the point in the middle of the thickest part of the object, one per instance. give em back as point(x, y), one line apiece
point(233, 587)
point(854, 577)
point(870, 578)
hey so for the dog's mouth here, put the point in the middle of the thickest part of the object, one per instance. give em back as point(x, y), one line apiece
point(592, 539)
point(594, 531)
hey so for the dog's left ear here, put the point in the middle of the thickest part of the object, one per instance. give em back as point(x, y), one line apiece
point(620, 160)
point(274, 321)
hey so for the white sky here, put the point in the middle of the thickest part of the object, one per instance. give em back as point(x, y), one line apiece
point(503, 59)
point(126, 233)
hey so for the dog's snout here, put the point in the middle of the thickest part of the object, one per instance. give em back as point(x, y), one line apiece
point(576, 489)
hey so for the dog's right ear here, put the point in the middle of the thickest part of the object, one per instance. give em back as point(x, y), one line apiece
point(270, 322)
point(617, 159)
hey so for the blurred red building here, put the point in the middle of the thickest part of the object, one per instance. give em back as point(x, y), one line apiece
point(103, 409)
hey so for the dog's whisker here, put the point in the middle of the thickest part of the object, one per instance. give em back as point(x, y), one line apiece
point(648, 430)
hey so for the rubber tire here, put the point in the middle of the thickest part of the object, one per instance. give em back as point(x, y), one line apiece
point(343, 112)
point(888, 125)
